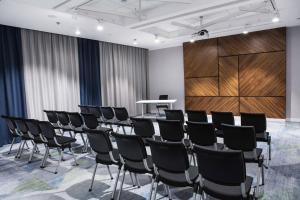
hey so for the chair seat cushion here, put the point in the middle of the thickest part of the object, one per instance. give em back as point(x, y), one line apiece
point(178, 179)
point(105, 158)
point(138, 167)
point(62, 140)
point(226, 192)
point(262, 137)
point(249, 155)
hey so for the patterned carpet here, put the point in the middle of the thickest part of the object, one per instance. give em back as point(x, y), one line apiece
point(20, 180)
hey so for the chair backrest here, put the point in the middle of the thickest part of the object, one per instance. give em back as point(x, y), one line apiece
point(99, 141)
point(175, 115)
point(75, 119)
point(10, 123)
point(239, 137)
point(51, 115)
point(143, 127)
point(197, 115)
point(258, 120)
point(90, 121)
point(169, 156)
point(171, 130)
point(107, 112)
point(121, 113)
point(47, 130)
point(84, 109)
point(33, 127)
point(201, 133)
point(131, 147)
point(21, 125)
point(63, 118)
point(219, 118)
point(221, 167)
point(163, 97)
point(95, 110)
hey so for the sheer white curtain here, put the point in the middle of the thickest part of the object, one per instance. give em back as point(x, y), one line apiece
point(51, 72)
point(123, 75)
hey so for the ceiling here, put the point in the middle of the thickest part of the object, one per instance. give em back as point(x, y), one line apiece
point(152, 24)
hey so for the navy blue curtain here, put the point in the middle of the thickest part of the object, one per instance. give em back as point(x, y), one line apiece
point(12, 95)
point(89, 72)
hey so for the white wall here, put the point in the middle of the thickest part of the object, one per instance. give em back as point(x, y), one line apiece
point(165, 75)
point(293, 74)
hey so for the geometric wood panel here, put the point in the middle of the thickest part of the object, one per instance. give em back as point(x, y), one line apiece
point(201, 86)
point(274, 107)
point(221, 104)
point(228, 76)
point(262, 74)
point(255, 42)
point(201, 58)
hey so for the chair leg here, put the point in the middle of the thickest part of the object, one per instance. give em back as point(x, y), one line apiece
point(84, 143)
point(27, 145)
point(116, 183)
point(45, 157)
point(32, 152)
point(130, 174)
point(108, 169)
point(155, 190)
point(124, 131)
point(93, 177)
point(169, 192)
point(60, 151)
point(74, 157)
point(12, 143)
point(137, 180)
point(269, 143)
point(121, 187)
point(21, 151)
point(151, 189)
point(131, 129)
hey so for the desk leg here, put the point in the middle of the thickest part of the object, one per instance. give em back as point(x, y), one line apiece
point(171, 106)
point(142, 110)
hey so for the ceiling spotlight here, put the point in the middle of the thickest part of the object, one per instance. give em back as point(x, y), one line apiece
point(156, 40)
point(192, 40)
point(245, 32)
point(135, 42)
point(77, 32)
point(275, 19)
point(99, 27)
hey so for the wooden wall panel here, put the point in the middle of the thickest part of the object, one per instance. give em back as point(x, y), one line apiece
point(262, 74)
point(228, 76)
point(274, 107)
point(201, 58)
point(221, 104)
point(255, 42)
point(201, 86)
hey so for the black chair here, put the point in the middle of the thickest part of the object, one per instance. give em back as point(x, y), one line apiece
point(123, 119)
point(223, 174)
point(144, 128)
point(161, 105)
point(84, 109)
point(203, 134)
point(106, 154)
point(95, 110)
point(91, 122)
point(133, 156)
point(243, 138)
point(64, 121)
point(52, 140)
point(219, 118)
point(108, 116)
point(52, 118)
point(259, 121)
point(171, 130)
point(197, 115)
point(171, 166)
point(12, 129)
point(22, 129)
point(175, 115)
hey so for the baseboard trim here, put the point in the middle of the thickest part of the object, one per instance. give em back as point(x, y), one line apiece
point(293, 119)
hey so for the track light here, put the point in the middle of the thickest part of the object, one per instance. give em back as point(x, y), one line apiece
point(275, 19)
point(192, 40)
point(77, 32)
point(99, 27)
point(135, 42)
point(245, 32)
point(156, 39)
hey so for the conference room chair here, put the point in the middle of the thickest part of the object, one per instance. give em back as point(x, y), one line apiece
point(84, 109)
point(91, 122)
point(133, 157)
point(222, 174)
point(144, 128)
point(52, 118)
point(95, 110)
point(123, 118)
point(22, 129)
point(243, 138)
point(171, 130)
point(175, 115)
point(52, 140)
point(203, 134)
point(161, 105)
point(259, 121)
point(76, 124)
point(171, 166)
point(64, 122)
point(219, 118)
point(197, 115)
point(12, 129)
point(108, 116)
point(105, 154)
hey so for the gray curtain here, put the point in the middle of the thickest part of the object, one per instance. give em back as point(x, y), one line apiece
point(51, 72)
point(123, 72)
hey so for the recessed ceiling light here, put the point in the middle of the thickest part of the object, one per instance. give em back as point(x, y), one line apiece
point(275, 19)
point(192, 40)
point(99, 27)
point(77, 32)
point(245, 32)
point(135, 42)
point(156, 39)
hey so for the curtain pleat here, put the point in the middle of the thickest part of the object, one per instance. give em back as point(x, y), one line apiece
point(12, 97)
point(123, 75)
point(51, 72)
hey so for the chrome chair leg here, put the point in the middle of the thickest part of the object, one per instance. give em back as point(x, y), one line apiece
point(22, 148)
point(116, 183)
point(93, 178)
point(12, 143)
point(45, 157)
point(137, 180)
point(121, 187)
point(169, 192)
point(74, 157)
point(124, 131)
point(32, 152)
point(60, 151)
point(155, 190)
point(151, 189)
point(108, 169)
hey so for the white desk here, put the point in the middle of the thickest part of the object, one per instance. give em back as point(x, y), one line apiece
point(169, 101)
